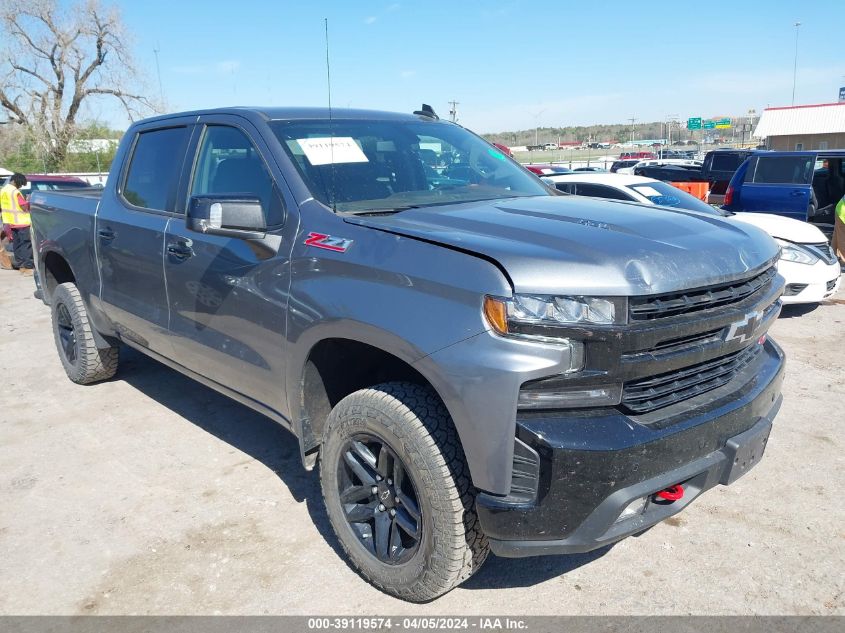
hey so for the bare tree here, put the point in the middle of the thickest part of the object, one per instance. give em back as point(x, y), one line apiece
point(57, 58)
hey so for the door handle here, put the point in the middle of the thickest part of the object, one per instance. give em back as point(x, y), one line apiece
point(106, 235)
point(180, 250)
point(797, 192)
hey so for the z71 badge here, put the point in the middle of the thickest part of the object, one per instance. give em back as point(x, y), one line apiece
point(328, 242)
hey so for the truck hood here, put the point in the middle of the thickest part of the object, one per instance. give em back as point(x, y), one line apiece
point(788, 229)
point(576, 245)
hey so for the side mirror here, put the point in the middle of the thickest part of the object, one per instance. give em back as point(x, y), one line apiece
point(229, 215)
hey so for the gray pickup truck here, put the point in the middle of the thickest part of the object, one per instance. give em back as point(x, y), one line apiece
point(476, 362)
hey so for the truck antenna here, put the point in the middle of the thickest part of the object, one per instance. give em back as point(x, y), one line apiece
point(331, 125)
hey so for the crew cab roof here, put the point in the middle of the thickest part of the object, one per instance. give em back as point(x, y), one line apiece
point(832, 153)
point(292, 113)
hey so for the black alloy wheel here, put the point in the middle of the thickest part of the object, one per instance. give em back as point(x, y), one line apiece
point(379, 499)
point(84, 358)
point(67, 334)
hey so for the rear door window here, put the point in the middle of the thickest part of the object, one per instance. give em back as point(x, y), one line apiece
point(155, 167)
point(796, 170)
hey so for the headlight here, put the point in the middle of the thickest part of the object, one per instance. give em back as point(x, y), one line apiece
point(549, 319)
point(540, 316)
point(795, 253)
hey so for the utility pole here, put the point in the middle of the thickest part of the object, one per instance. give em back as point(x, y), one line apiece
point(632, 120)
point(158, 74)
point(453, 111)
point(797, 25)
point(671, 119)
point(537, 125)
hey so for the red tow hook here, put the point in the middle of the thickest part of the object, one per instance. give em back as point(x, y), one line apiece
point(672, 493)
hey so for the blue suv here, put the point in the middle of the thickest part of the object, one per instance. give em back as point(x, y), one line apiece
point(801, 185)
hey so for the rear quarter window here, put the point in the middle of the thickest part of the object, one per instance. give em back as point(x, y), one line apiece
point(726, 162)
point(783, 170)
point(155, 167)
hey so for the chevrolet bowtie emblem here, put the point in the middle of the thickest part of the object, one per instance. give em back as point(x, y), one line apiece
point(743, 330)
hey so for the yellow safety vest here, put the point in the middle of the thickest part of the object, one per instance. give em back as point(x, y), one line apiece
point(11, 208)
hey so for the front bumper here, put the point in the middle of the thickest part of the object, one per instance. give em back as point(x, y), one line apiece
point(813, 283)
point(593, 465)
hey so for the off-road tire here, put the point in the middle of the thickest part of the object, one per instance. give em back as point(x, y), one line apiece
point(91, 364)
point(414, 423)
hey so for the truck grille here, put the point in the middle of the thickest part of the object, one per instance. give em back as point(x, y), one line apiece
point(648, 394)
point(672, 304)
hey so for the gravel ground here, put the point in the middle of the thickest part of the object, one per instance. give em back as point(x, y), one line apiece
point(151, 494)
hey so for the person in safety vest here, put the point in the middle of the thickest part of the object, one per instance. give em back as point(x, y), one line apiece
point(838, 242)
point(15, 215)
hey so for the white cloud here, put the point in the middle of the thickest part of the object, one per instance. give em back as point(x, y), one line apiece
point(406, 74)
point(370, 19)
point(393, 7)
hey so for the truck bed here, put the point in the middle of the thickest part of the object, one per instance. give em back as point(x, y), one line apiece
point(64, 222)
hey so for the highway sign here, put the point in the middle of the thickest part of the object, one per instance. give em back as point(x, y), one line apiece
point(722, 123)
point(709, 125)
point(694, 123)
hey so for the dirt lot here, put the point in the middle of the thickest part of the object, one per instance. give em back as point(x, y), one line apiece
point(151, 494)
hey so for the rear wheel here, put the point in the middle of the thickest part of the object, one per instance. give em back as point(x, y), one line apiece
point(82, 360)
point(397, 491)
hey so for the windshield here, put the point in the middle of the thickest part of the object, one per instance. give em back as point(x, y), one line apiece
point(362, 166)
point(665, 195)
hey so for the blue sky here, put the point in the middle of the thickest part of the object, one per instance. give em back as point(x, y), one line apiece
point(511, 65)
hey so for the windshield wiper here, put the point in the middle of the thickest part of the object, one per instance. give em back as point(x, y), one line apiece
point(426, 205)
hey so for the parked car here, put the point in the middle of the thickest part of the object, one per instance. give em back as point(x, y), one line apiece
point(685, 171)
point(718, 168)
point(484, 366)
point(805, 186)
point(545, 169)
point(686, 162)
point(51, 182)
point(624, 166)
point(591, 169)
point(504, 148)
point(807, 262)
point(637, 155)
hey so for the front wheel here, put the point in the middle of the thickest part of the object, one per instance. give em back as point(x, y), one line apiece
point(397, 491)
point(82, 360)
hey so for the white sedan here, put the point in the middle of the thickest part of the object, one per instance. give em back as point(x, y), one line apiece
point(687, 162)
point(807, 262)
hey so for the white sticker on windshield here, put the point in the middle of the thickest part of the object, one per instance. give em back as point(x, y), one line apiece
point(338, 149)
point(647, 191)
